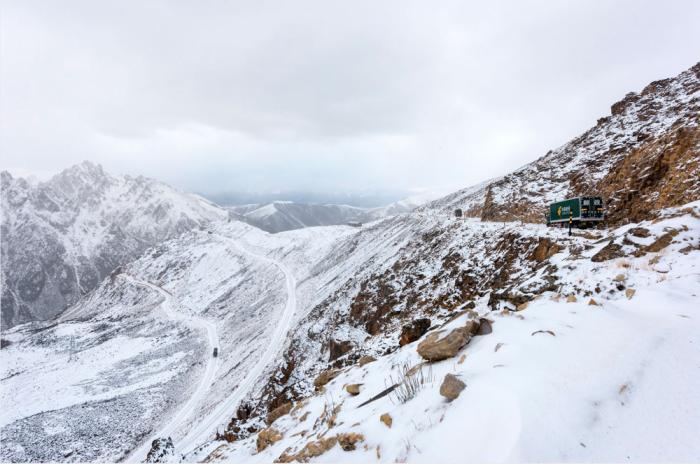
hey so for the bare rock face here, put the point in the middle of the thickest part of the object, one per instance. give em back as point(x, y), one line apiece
point(610, 251)
point(162, 449)
point(646, 155)
point(545, 249)
point(662, 242)
point(629, 293)
point(337, 349)
point(571, 299)
point(640, 232)
point(278, 412)
point(267, 437)
point(325, 377)
point(451, 387)
point(435, 348)
point(413, 331)
point(365, 360)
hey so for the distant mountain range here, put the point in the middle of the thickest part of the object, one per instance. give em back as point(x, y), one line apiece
point(280, 216)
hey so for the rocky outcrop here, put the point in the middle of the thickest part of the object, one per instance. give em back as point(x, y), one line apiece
point(162, 450)
point(436, 348)
point(610, 251)
point(337, 349)
point(645, 157)
point(278, 412)
point(326, 376)
point(413, 331)
point(267, 437)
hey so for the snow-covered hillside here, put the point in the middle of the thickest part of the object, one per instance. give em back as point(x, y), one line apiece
point(595, 359)
point(60, 238)
point(133, 361)
point(280, 216)
point(643, 157)
point(415, 337)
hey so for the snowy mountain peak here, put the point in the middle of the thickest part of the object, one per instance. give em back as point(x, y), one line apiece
point(62, 236)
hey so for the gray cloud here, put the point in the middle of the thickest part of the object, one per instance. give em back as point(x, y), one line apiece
point(322, 95)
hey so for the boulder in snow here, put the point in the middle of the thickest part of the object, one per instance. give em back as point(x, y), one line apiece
point(435, 348)
point(386, 419)
point(451, 387)
point(353, 388)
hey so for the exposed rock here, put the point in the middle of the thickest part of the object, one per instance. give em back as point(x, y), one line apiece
point(484, 327)
point(413, 331)
point(545, 249)
point(451, 387)
point(522, 306)
point(338, 349)
point(365, 360)
point(620, 278)
point(386, 419)
point(629, 293)
point(162, 449)
point(571, 299)
point(325, 377)
point(278, 412)
point(267, 437)
point(348, 441)
point(353, 388)
point(311, 450)
point(435, 348)
point(593, 302)
point(610, 251)
point(640, 232)
point(662, 242)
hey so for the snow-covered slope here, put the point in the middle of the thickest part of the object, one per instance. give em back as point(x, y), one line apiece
point(281, 216)
point(580, 355)
point(60, 238)
point(593, 354)
point(133, 360)
point(643, 157)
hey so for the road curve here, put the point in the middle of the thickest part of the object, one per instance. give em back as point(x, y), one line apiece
point(205, 382)
point(205, 428)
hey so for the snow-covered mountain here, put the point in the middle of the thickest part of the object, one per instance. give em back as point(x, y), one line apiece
point(280, 216)
point(61, 237)
point(643, 157)
point(418, 336)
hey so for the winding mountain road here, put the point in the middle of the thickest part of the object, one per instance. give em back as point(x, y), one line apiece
point(205, 382)
point(205, 428)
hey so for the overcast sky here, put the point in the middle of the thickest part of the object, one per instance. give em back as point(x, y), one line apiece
point(321, 95)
